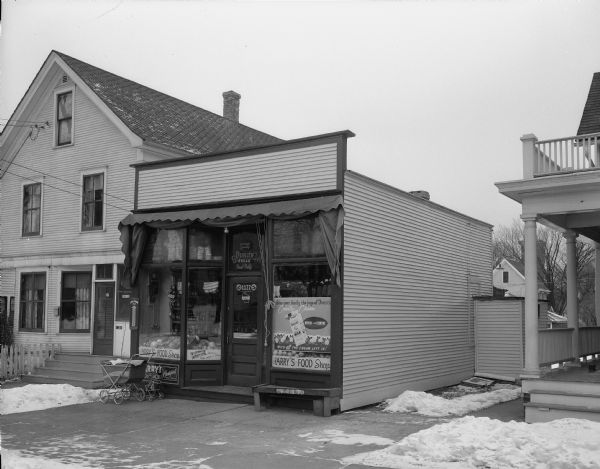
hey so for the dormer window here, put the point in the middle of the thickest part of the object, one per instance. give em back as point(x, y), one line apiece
point(64, 118)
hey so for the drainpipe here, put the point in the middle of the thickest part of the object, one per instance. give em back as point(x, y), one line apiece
point(532, 360)
point(572, 307)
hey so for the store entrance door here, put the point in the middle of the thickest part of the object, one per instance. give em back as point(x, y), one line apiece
point(244, 317)
point(104, 318)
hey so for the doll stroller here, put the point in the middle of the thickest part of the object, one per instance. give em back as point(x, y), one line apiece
point(122, 379)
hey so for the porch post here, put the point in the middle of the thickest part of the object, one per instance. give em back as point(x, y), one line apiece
point(529, 155)
point(597, 284)
point(532, 361)
point(572, 306)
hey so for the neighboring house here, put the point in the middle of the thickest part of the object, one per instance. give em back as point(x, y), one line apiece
point(560, 188)
point(66, 180)
point(510, 276)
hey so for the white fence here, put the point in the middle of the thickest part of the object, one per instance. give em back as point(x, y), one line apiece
point(17, 360)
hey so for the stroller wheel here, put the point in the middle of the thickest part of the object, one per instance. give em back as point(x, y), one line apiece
point(139, 393)
point(161, 395)
point(118, 397)
point(103, 396)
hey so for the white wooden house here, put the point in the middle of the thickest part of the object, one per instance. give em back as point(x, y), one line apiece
point(66, 180)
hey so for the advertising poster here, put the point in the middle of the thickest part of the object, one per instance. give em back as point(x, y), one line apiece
point(302, 333)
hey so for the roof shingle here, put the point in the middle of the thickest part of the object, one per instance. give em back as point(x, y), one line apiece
point(164, 120)
point(590, 119)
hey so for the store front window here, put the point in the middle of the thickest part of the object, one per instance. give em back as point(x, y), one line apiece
point(160, 321)
point(302, 296)
point(204, 314)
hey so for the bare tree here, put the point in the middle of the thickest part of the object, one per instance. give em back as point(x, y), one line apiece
point(552, 262)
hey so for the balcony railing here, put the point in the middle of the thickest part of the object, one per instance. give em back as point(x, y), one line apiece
point(563, 155)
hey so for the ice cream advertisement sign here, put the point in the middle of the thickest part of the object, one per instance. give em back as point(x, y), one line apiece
point(302, 333)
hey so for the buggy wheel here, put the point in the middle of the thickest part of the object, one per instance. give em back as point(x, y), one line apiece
point(103, 395)
point(139, 393)
point(161, 395)
point(118, 397)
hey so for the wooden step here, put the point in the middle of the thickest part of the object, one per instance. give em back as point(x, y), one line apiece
point(543, 413)
point(554, 398)
point(565, 387)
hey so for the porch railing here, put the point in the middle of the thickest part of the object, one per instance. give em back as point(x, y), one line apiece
point(570, 154)
point(554, 345)
point(20, 359)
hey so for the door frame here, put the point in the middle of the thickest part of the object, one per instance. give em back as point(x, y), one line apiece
point(229, 340)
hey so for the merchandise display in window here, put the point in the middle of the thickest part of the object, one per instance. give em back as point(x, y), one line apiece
point(204, 314)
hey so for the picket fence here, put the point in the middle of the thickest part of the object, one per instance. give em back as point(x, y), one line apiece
point(20, 359)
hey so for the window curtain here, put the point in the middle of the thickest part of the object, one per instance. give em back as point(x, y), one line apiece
point(331, 223)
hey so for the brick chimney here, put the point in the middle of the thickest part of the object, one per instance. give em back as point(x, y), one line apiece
point(231, 105)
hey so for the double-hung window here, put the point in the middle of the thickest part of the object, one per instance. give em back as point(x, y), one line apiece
point(64, 118)
point(32, 300)
point(76, 302)
point(92, 217)
point(32, 207)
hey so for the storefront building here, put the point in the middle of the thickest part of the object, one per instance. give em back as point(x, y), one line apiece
point(234, 271)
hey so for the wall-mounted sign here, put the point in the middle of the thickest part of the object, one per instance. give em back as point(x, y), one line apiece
point(245, 253)
point(302, 333)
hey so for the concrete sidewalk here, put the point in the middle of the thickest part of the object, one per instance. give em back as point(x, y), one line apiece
point(175, 433)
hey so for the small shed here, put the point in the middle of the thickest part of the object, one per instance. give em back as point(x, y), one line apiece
point(277, 269)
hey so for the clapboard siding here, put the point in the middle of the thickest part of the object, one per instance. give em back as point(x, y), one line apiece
point(410, 270)
point(272, 174)
point(98, 145)
point(499, 338)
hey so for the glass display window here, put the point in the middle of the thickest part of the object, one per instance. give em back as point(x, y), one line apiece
point(204, 314)
point(205, 244)
point(164, 246)
point(302, 317)
point(298, 238)
point(161, 297)
point(313, 280)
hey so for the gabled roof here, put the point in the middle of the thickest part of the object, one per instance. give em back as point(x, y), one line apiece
point(590, 119)
point(164, 120)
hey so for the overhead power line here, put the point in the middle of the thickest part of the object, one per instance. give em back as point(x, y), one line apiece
point(62, 190)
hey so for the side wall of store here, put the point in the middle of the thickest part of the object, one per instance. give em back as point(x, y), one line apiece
point(411, 268)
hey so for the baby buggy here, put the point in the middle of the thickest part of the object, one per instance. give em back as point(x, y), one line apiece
point(123, 379)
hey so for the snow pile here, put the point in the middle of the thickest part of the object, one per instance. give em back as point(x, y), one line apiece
point(12, 459)
point(338, 437)
point(435, 406)
point(471, 442)
point(43, 396)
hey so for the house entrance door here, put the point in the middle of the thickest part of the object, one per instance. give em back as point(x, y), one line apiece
point(104, 318)
point(244, 317)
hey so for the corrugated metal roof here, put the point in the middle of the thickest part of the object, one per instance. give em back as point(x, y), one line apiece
point(590, 119)
point(164, 120)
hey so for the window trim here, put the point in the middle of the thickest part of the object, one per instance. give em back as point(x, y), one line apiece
point(60, 301)
point(31, 182)
point(88, 173)
point(18, 312)
point(57, 92)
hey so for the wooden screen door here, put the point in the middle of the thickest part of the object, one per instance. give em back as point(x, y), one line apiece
point(104, 318)
point(244, 319)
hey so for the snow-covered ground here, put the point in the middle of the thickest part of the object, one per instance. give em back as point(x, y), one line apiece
point(456, 442)
point(43, 396)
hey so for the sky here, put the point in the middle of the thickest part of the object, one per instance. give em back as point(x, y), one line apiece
point(438, 93)
point(457, 441)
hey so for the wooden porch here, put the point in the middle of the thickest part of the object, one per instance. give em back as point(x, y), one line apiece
point(568, 386)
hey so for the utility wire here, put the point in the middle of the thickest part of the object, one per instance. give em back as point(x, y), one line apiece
point(79, 186)
point(63, 190)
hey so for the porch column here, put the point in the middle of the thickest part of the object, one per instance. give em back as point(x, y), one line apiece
point(572, 306)
point(597, 284)
point(532, 361)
